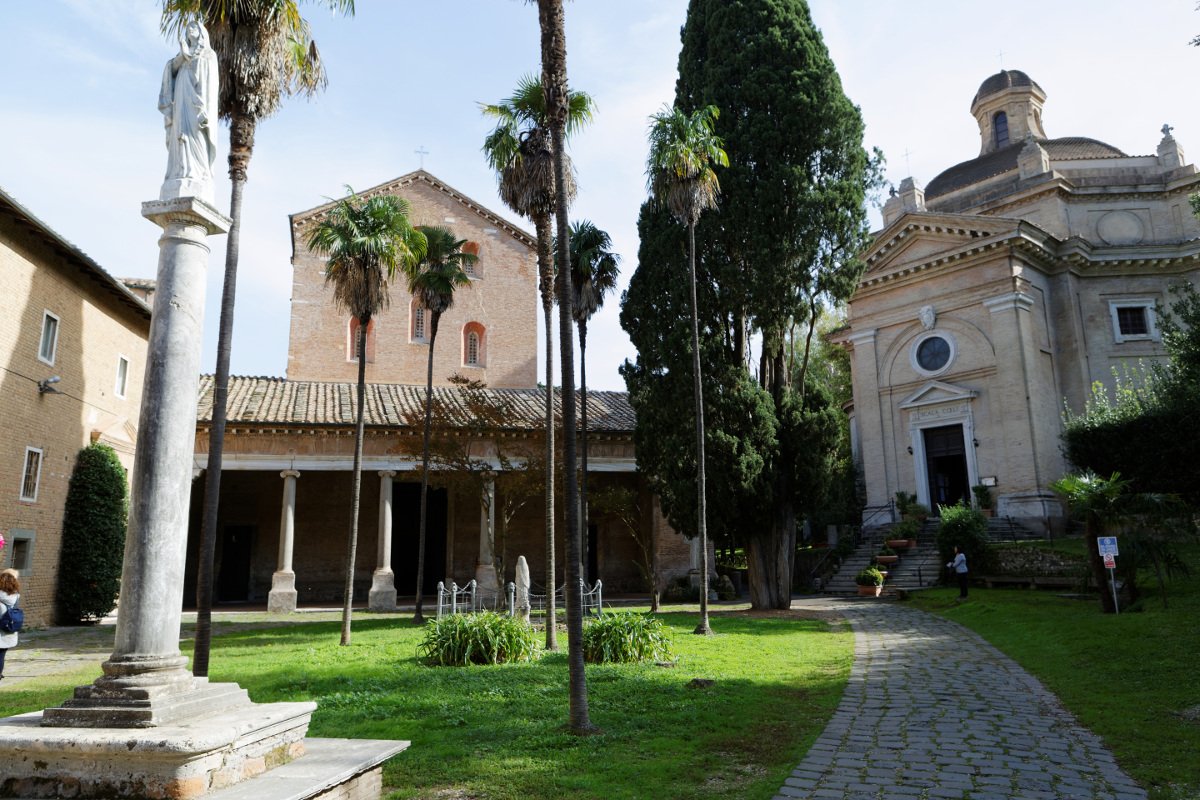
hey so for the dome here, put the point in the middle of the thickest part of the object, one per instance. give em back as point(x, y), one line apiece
point(997, 162)
point(1002, 80)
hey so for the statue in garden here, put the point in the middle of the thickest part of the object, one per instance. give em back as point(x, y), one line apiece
point(188, 102)
point(522, 592)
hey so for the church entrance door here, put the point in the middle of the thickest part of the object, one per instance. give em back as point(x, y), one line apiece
point(406, 519)
point(946, 465)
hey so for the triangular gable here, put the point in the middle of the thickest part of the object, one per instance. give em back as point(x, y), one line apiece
point(120, 436)
point(421, 176)
point(936, 392)
point(918, 237)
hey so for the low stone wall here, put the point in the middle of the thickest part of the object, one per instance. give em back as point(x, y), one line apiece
point(1035, 562)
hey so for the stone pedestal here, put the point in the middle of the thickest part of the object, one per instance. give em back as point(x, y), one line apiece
point(382, 596)
point(383, 591)
point(282, 597)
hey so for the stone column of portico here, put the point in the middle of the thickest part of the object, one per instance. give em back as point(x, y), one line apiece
point(383, 582)
point(146, 680)
point(869, 413)
point(282, 597)
point(485, 568)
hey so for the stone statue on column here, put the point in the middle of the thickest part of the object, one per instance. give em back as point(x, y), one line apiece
point(521, 601)
point(188, 102)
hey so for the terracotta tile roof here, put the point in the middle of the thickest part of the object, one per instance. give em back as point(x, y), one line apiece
point(276, 401)
point(1067, 148)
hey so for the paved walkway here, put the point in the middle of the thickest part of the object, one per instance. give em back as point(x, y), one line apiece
point(932, 711)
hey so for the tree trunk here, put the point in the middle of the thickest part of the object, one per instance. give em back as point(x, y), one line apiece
point(541, 225)
point(583, 454)
point(768, 554)
point(352, 538)
point(434, 319)
point(698, 389)
point(812, 324)
point(554, 84)
point(241, 146)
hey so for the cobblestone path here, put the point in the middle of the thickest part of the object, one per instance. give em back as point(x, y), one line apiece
point(932, 711)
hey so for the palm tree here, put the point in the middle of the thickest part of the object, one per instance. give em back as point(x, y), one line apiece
point(683, 150)
point(432, 281)
point(1102, 502)
point(554, 85)
point(518, 149)
point(594, 270)
point(264, 52)
point(366, 241)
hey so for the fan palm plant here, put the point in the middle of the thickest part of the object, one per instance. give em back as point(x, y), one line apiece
point(366, 242)
point(265, 52)
point(432, 281)
point(594, 270)
point(519, 150)
point(683, 151)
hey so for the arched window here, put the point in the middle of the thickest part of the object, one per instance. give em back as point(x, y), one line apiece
point(352, 340)
point(471, 269)
point(418, 329)
point(474, 345)
point(1000, 129)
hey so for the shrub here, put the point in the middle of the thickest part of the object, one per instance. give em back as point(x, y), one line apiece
point(966, 528)
point(983, 496)
point(906, 529)
point(625, 637)
point(93, 542)
point(485, 638)
point(869, 577)
point(886, 551)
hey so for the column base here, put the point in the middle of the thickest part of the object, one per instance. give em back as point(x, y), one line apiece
point(107, 704)
point(181, 761)
point(485, 578)
point(282, 597)
point(383, 591)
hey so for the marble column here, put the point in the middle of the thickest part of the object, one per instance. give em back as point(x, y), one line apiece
point(485, 568)
point(282, 598)
point(146, 681)
point(383, 582)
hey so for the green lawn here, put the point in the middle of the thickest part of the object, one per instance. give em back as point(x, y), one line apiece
point(1129, 678)
point(496, 733)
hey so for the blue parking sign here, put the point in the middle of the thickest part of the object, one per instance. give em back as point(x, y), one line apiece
point(1108, 545)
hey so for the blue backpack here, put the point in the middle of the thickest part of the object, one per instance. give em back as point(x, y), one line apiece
point(12, 620)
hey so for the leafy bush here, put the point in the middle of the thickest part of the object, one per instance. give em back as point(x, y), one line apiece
point(983, 496)
point(625, 637)
point(487, 638)
point(886, 551)
point(966, 528)
point(869, 577)
point(905, 529)
point(93, 543)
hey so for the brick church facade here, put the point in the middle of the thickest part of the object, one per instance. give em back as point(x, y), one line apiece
point(287, 466)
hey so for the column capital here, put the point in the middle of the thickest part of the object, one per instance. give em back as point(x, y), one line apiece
point(1018, 300)
point(387, 473)
point(290, 473)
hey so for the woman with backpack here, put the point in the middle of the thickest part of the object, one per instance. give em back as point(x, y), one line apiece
point(10, 594)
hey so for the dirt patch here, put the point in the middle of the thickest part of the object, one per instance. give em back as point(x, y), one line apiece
point(819, 614)
point(1190, 714)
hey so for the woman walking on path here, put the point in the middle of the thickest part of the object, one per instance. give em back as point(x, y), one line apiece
point(10, 594)
point(959, 565)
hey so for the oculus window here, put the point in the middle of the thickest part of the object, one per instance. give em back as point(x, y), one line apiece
point(933, 353)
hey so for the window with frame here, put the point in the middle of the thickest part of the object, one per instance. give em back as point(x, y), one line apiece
point(122, 384)
point(49, 344)
point(20, 550)
point(1133, 320)
point(352, 330)
point(474, 345)
point(419, 322)
point(32, 475)
point(471, 267)
point(1000, 129)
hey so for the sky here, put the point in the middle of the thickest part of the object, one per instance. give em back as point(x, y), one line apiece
point(81, 138)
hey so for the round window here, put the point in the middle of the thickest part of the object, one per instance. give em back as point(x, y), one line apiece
point(933, 354)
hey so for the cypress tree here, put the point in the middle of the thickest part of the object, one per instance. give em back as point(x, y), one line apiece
point(93, 542)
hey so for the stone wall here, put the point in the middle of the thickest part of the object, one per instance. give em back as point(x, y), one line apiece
point(1025, 561)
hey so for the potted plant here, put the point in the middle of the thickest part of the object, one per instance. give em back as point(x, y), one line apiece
point(904, 535)
point(870, 582)
point(983, 499)
point(886, 556)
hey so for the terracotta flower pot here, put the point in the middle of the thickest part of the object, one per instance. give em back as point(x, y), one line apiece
point(900, 544)
point(869, 591)
point(886, 559)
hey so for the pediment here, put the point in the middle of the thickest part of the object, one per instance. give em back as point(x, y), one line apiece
point(922, 237)
point(121, 435)
point(935, 393)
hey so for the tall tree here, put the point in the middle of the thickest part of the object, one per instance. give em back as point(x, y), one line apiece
point(554, 84)
point(594, 270)
point(791, 223)
point(432, 280)
point(519, 150)
point(265, 52)
point(365, 242)
point(683, 152)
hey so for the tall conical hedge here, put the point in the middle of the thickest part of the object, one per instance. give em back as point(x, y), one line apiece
point(93, 545)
